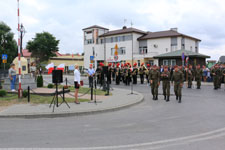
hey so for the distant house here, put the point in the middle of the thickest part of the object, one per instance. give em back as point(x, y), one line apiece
point(67, 59)
point(222, 59)
point(174, 58)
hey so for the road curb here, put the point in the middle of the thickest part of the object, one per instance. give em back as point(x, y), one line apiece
point(81, 113)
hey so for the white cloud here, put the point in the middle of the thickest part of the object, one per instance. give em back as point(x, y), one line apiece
point(66, 19)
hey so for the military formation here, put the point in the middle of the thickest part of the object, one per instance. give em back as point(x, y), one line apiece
point(154, 75)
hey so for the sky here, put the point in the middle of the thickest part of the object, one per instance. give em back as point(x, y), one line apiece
point(65, 19)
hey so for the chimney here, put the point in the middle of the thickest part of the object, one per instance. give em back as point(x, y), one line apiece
point(124, 27)
point(174, 29)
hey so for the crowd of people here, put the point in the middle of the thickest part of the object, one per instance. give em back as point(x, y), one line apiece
point(153, 75)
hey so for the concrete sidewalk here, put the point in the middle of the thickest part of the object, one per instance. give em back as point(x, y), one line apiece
point(120, 99)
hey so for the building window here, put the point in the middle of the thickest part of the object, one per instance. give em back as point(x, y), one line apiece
point(182, 43)
point(165, 62)
point(143, 50)
point(121, 51)
point(123, 38)
point(191, 48)
point(169, 62)
point(174, 41)
point(196, 46)
point(166, 49)
point(139, 63)
point(151, 62)
point(173, 62)
point(111, 39)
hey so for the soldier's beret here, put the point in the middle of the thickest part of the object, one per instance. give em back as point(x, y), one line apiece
point(148, 65)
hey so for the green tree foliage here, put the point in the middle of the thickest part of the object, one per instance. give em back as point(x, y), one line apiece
point(7, 44)
point(43, 46)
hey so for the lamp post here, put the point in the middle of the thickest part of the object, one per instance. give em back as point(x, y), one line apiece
point(22, 33)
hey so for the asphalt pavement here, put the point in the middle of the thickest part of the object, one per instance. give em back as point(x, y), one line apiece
point(198, 123)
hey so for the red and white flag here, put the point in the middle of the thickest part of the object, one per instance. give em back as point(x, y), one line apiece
point(50, 67)
point(61, 67)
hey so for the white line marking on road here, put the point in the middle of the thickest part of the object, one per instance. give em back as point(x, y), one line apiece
point(192, 138)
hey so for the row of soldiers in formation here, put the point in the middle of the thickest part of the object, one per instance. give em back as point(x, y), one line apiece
point(155, 74)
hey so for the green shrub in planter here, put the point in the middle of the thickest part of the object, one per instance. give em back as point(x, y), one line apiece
point(3, 93)
point(39, 81)
point(50, 86)
point(25, 93)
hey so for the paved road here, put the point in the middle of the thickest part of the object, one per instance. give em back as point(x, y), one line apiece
point(197, 123)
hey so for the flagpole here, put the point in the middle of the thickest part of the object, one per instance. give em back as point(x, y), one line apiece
point(19, 54)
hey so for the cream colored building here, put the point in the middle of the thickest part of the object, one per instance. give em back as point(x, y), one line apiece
point(143, 46)
point(24, 65)
point(68, 60)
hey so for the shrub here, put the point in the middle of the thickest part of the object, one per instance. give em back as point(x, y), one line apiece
point(50, 86)
point(66, 87)
point(25, 93)
point(3, 93)
point(39, 81)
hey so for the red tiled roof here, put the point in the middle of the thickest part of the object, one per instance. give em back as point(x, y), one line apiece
point(26, 53)
point(58, 54)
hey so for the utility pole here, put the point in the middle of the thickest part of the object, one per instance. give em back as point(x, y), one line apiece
point(19, 54)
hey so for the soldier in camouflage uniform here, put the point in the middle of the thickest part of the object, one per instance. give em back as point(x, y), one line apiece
point(117, 74)
point(155, 82)
point(221, 75)
point(122, 73)
point(216, 72)
point(190, 74)
point(113, 71)
point(135, 73)
point(224, 74)
point(147, 72)
point(178, 79)
point(198, 76)
point(165, 76)
point(142, 73)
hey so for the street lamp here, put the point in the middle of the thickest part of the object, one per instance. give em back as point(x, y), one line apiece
point(22, 33)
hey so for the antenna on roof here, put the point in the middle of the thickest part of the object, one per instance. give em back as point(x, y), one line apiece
point(125, 21)
point(131, 24)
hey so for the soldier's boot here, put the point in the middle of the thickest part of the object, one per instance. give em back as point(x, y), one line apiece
point(156, 97)
point(179, 100)
point(153, 98)
point(176, 97)
point(168, 99)
point(164, 97)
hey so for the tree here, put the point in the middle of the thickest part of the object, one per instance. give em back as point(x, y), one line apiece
point(43, 46)
point(7, 44)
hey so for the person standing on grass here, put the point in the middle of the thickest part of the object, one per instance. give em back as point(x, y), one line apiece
point(12, 77)
point(76, 83)
point(91, 74)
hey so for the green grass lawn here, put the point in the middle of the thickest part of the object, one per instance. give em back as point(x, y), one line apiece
point(10, 99)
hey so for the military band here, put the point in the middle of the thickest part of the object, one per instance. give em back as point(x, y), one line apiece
point(176, 75)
